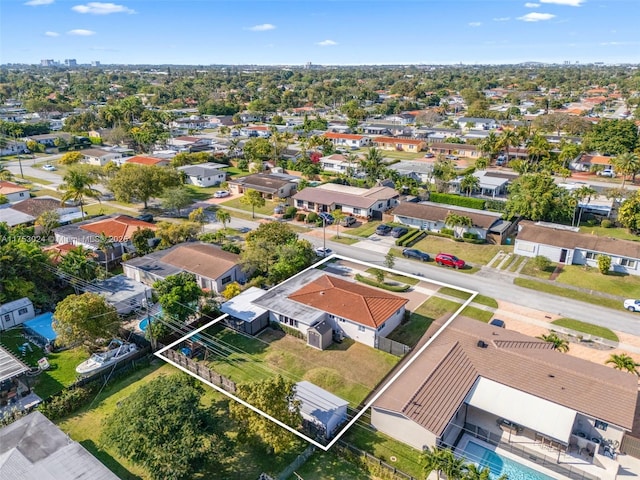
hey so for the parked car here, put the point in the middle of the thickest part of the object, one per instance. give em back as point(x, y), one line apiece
point(496, 322)
point(451, 157)
point(221, 194)
point(415, 253)
point(145, 217)
point(383, 229)
point(448, 260)
point(632, 305)
point(397, 232)
point(348, 221)
point(607, 172)
point(429, 155)
point(327, 217)
point(48, 167)
point(279, 209)
point(323, 252)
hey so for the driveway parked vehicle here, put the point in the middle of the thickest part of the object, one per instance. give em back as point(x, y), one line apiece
point(448, 260)
point(327, 217)
point(323, 252)
point(348, 221)
point(607, 172)
point(397, 232)
point(221, 194)
point(451, 157)
point(632, 305)
point(49, 168)
point(383, 230)
point(145, 217)
point(496, 322)
point(415, 253)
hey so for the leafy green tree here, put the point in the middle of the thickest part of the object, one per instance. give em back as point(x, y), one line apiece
point(293, 257)
point(506, 140)
point(469, 183)
point(559, 344)
point(140, 240)
point(537, 197)
point(197, 216)
point(71, 158)
point(373, 164)
point(78, 186)
point(629, 213)
point(253, 199)
point(83, 319)
point(613, 137)
point(541, 263)
point(223, 217)
point(5, 174)
point(627, 164)
point(458, 222)
point(24, 267)
point(176, 198)
point(47, 221)
point(171, 233)
point(163, 427)
point(623, 362)
point(79, 263)
point(258, 149)
point(390, 260)
point(179, 295)
point(604, 263)
point(142, 182)
point(275, 397)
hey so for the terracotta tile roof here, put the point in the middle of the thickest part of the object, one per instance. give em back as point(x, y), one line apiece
point(59, 250)
point(120, 228)
point(7, 188)
point(394, 140)
point(364, 305)
point(202, 259)
point(434, 386)
point(595, 159)
point(140, 160)
point(345, 136)
point(546, 235)
point(258, 128)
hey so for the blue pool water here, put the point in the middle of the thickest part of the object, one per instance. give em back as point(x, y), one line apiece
point(500, 465)
point(144, 323)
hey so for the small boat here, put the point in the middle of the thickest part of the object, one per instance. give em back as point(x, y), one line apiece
point(116, 352)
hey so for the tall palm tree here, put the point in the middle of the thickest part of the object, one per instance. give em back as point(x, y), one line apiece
point(373, 164)
point(458, 222)
point(538, 147)
point(223, 217)
point(623, 362)
point(627, 164)
point(508, 139)
point(489, 145)
point(476, 473)
point(338, 216)
point(580, 194)
point(77, 187)
point(453, 467)
point(432, 459)
point(469, 183)
point(568, 152)
point(105, 243)
point(559, 344)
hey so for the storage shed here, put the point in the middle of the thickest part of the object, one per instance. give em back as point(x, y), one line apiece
point(320, 409)
point(15, 313)
point(320, 335)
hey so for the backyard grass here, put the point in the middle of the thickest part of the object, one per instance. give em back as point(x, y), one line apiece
point(244, 359)
point(62, 372)
point(420, 319)
point(380, 445)
point(235, 172)
point(394, 277)
point(31, 179)
point(588, 328)
point(329, 466)
point(45, 192)
point(469, 252)
point(568, 293)
point(619, 233)
point(104, 209)
point(235, 203)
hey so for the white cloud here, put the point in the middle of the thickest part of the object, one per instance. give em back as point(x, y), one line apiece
point(99, 8)
point(35, 3)
point(327, 43)
point(501, 19)
point(81, 32)
point(569, 3)
point(536, 17)
point(475, 24)
point(262, 28)
point(531, 5)
point(52, 34)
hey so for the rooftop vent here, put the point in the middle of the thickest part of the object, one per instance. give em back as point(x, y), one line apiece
point(482, 344)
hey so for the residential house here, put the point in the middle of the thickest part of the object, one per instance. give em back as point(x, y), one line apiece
point(119, 228)
point(421, 172)
point(411, 145)
point(99, 157)
point(13, 192)
point(13, 147)
point(16, 312)
point(353, 310)
point(27, 211)
point(348, 140)
point(375, 130)
point(321, 411)
point(338, 163)
point(213, 267)
point(563, 244)
point(401, 118)
point(57, 251)
point(476, 382)
point(194, 122)
point(585, 162)
point(474, 123)
point(34, 448)
point(125, 294)
point(270, 185)
point(457, 149)
point(204, 174)
point(431, 217)
point(15, 394)
point(149, 161)
point(491, 184)
point(49, 139)
point(215, 121)
point(360, 202)
point(189, 144)
point(250, 117)
point(261, 131)
point(13, 217)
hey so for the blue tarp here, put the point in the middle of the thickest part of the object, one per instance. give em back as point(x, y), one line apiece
point(41, 327)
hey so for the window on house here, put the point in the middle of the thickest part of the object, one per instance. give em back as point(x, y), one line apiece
point(600, 425)
point(288, 321)
point(7, 318)
point(356, 211)
point(226, 280)
point(591, 255)
point(360, 328)
point(23, 311)
point(311, 205)
point(627, 262)
point(381, 327)
point(299, 203)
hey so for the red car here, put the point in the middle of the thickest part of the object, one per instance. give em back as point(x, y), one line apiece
point(449, 261)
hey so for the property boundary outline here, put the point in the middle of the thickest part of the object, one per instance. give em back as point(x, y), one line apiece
point(381, 390)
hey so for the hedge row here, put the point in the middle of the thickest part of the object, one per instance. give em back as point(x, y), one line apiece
point(495, 205)
point(373, 283)
point(411, 238)
point(451, 199)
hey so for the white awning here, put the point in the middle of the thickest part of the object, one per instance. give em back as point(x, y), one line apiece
point(548, 418)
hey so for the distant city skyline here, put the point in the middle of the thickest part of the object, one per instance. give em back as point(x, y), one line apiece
point(284, 32)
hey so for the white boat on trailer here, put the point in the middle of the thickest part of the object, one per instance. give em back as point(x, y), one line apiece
point(116, 352)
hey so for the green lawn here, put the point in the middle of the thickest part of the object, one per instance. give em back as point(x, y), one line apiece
point(63, 364)
point(477, 314)
point(568, 293)
point(365, 230)
point(235, 203)
point(530, 270)
point(469, 252)
point(421, 318)
point(329, 466)
point(245, 359)
point(470, 311)
point(620, 233)
point(395, 278)
point(45, 192)
point(104, 209)
point(587, 328)
point(31, 179)
point(236, 172)
point(345, 240)
point(613, 283)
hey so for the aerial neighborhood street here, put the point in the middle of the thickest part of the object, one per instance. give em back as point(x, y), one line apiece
point(250, 268)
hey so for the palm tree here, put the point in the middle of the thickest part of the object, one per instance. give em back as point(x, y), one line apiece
point(469, 183)
point(476, 473)
point(580, 194)
point(538, 148)
point(453, 467)
point(432, 458)
point(623, 362)
point(234, 146)
point(508, 139)
point(568, 152)
point(105, 243)
point(5, 174)
point(223, 217)
point(559, 344)
point(627, 164)
point(457, 221)
point(338, 216)
point(77, 187)
point(79, 264)
point(372, 164)
point(481, 163)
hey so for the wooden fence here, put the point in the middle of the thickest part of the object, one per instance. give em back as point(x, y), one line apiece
point(391, 346)
point(201, 370)
point(345, 449)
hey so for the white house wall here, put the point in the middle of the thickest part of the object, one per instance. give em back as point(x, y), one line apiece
point(531, 249)
point(14, 317)
point(402, 429)
point(207, 181)
point(352, 330)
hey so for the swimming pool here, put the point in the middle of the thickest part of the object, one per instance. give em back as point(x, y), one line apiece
point(500, 465)
point(144, 323)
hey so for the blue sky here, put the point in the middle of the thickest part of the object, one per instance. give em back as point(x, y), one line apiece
point(336, 32)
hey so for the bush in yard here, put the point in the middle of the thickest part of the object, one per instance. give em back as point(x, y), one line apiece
point(606, 223)
point(541, 263)
point(290, 212)
point(447, 231)
point(312, 217)
point(604, 263)
point(67, 402)
point(459, 200)
point(301, 217)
